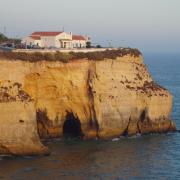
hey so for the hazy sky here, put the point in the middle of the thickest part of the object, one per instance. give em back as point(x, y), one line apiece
point(150, 25)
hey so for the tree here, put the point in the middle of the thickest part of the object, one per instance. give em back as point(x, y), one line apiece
point(3, 37)
point(88, 44)
point(98, 46)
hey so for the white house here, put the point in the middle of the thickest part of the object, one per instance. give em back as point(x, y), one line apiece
point(55, 39)
point(32, 40)
point(79, 41)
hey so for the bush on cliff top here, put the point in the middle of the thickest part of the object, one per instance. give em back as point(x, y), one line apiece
point(65, 57)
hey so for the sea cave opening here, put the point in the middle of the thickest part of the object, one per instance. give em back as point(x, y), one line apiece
point(143, 116)
point(72, 126)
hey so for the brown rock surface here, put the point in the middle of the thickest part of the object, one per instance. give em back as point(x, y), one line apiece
point(107, 98)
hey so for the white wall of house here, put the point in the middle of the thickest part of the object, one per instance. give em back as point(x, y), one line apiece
point(37, 43)
point(48, 41)
point(79, 43)
point(30, 41)
point(63, 39)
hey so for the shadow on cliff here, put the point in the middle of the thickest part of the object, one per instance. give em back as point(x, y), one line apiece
point(72, 127)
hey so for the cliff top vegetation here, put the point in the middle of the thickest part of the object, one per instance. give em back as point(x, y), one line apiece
point(3, 38)
point(66, 57)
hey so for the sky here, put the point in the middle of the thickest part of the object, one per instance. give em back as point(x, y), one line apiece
point(149, 25)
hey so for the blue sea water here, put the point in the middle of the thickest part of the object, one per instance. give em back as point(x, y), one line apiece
point(143, 157)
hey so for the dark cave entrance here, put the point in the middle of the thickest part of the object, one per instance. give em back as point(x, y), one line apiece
point(143, 116)
point(72, 127)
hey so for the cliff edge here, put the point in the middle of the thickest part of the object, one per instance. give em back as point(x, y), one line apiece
point(84, 98)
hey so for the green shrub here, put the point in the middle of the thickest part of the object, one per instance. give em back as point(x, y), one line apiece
point(88, 44)
point(98, 46)
point(78, 55)
point(49, 56)
point(3, 37)
point(63, 57)
point(37, 56)
point(95, 55)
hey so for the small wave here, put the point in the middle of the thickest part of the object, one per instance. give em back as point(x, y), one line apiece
point(126, 137)
point(115, 139)
point(135, 136)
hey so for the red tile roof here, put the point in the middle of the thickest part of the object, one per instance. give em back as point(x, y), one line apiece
point(45, 33)
point(78, 37)
point(36, 37)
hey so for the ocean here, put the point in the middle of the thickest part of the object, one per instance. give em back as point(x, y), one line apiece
point(154, 156)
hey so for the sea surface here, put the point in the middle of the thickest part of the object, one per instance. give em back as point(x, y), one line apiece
point(142, 157)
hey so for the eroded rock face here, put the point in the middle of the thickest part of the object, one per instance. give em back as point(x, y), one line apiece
point(127, 101)
point(107, 98)
point(18, 126)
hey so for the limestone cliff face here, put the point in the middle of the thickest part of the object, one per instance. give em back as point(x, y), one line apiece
point(107, 99)
point(127, 101)
point(18, 127)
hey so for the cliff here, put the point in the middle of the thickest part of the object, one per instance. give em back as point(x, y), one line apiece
point(91, 99)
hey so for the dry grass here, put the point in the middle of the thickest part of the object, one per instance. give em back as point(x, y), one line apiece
point(66, 57)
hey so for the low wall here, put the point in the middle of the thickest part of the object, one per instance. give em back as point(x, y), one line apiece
point(64, 50)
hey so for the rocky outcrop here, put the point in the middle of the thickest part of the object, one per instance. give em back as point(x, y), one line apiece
point(91, 99)
point(127, 101)
point(18, 127)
